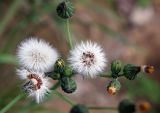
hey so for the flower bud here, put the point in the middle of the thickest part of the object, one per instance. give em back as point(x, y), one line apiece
point(59, 66)
point(79, 108)
point(68, 72)
point(144, 106)
point(113, 87)
point(65, 9)
point(116, 67)
point(68, 85)
point(126, 106)
point(148, 69)
point(130, 71)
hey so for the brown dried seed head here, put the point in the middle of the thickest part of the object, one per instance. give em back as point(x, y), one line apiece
point(36, 80)
point(144, 106)
point(111, 90)
point(148, 69)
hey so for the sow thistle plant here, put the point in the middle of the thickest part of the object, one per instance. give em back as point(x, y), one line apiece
point(39, 62)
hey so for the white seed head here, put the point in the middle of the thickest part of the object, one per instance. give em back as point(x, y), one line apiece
point(36, 85)
point(87, 59)
point(36, 54)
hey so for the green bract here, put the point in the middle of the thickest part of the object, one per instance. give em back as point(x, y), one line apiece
point(116, 67)
point(68, 72)
point(65, 9)
point(130, 71)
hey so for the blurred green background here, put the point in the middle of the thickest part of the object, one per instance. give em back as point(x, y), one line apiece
point(126, 29)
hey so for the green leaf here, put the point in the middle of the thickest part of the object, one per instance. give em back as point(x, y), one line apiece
point(145, 87)
point(8, 59)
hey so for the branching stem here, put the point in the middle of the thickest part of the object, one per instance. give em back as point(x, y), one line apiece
point(65, 98)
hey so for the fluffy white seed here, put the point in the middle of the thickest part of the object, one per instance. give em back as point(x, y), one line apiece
point(36, 85)
point(88, 59)
point(36, 54)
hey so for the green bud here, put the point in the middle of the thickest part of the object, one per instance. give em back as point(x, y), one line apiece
point(113, 86)
point(59, 66)
point(79, 108)
point(130, 71)
point(116, 67)
point(68, 85)
point(68, 72)
point(126, 106)
point(65, 9)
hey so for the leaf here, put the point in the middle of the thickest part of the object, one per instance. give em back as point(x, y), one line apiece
point(8, 59)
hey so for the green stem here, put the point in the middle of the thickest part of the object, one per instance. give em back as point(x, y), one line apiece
point(55, 86)
point(65, 98)
point(106, 75)
point(102, 108)
point(13, 102)
point(69, 38)
point(9, 15)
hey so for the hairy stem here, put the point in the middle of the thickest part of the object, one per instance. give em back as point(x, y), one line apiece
point(102, 108)
point(65, 98)
point(69, 38)
point(13, 102)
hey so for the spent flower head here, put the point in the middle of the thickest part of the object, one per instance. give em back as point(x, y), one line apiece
point(36, 54)
point(36, 85)
point(147, 69)
point(87, 58)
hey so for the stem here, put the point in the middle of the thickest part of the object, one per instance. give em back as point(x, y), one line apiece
point(13, 102)
point(55, 86)
point(69, 38)
point(106, 75)
point(102, 108)
point(9, 15)
point(65, 98)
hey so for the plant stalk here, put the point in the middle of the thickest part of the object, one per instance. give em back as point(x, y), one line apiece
point(65, 98)
point(102, 108)
point(12, 103)
point(69, 38)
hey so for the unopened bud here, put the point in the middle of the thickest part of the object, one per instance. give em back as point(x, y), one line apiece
point(68, 72)
point(65, 9)
point(144, 106)
point(59, 66)
point(79, 108)
point(126, 106)
point(116, 67)
point(68, 85)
